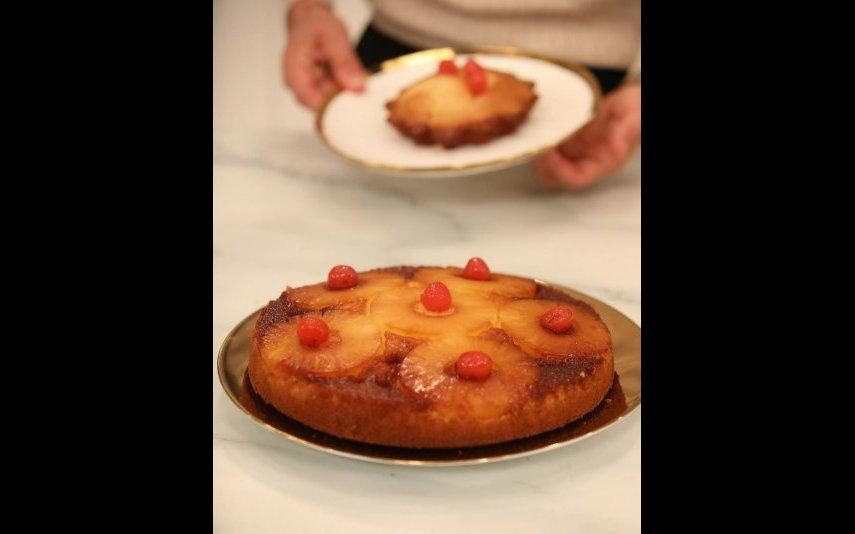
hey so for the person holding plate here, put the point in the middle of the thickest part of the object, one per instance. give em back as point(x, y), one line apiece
point(601, 34)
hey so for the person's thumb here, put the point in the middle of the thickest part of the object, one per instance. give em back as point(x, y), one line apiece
point(346, 67)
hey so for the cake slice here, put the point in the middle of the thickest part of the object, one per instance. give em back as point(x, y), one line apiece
point(462, 106)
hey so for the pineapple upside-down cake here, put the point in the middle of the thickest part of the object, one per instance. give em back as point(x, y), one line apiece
point(430, 357)
point(454, 107)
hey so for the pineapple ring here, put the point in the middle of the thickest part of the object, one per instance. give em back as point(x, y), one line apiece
point(402, 312)
point(318, 296)
point(499, 284)
point(520, 319)
point(427, 372)
point(354, 339)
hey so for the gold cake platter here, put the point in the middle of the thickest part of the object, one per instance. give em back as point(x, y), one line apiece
point(622, 399)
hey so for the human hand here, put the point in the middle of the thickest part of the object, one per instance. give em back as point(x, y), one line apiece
point(600, 147)
point(318, 59)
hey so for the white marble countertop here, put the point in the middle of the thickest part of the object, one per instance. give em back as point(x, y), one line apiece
point(285, 210)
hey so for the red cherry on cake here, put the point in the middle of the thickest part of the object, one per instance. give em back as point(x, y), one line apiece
point(476, 269)
point(474, 365)
point(471, 67)
point(477, 83)
point(436, 297)
point(342, 277)
point(476, 78)
point(447, 66)
point(558, 319)
point(312, 331)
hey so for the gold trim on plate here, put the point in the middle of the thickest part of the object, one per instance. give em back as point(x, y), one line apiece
point(436, 54)
point(624, 398)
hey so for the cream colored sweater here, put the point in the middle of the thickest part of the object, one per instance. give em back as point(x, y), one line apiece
point(597, 33)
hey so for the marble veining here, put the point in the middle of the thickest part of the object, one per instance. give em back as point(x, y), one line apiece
point(286, 209)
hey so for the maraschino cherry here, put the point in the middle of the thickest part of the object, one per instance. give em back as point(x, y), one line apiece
point(476, 78)
point(476, 269)
point(342, 277)
point(447, 66)
point(474, 365)
point(436, 297)
point(312, 331)
point(558, 319)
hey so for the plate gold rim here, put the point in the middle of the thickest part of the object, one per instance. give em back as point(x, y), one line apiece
point(224, 383)
point(446, 53)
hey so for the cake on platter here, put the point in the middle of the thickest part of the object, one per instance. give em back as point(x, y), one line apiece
point(430, 357)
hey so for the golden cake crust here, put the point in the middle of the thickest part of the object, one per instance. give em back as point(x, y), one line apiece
point(369, 403)
point(441, 110)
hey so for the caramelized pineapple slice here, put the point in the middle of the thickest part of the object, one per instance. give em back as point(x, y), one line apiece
point(498, 284)
point(318, 296)
point(520, 319)
point(402, 312)
point(353, 340)
point(428, 372)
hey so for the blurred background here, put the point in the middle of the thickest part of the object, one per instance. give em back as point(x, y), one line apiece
point(254, 113)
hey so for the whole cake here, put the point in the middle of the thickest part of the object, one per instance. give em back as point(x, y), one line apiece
point(430, 357)
point(460, 106)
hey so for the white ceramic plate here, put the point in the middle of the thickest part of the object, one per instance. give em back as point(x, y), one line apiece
point(354, 126)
